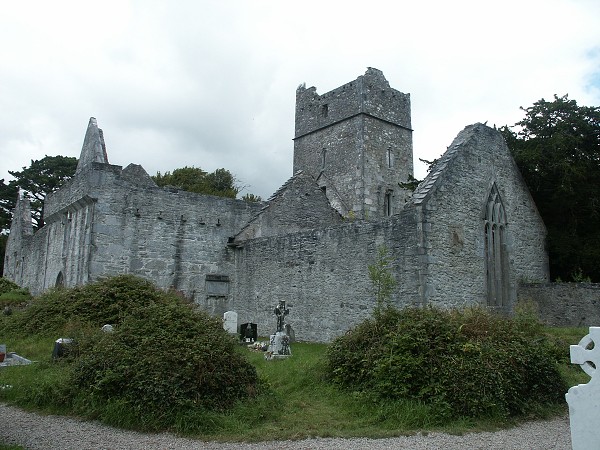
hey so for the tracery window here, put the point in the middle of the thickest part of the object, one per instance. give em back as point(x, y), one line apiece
point(496, 254)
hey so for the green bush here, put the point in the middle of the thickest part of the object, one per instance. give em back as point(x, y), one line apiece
point(468, 363)
point(104, 302)
point(17, 297)
point(163, 359)
point(6, 285)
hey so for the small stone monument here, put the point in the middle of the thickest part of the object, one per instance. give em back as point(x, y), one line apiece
point(230, 322)
point(279, 344)
point(249, 332)
point(584, 399)
point(63, 347)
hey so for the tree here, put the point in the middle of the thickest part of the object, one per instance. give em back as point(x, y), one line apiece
point(193, 179)
point(3, 239)
point(557, 149)
point(382, 279)
point(38, 180)
point(8, 200)
point(251, 198)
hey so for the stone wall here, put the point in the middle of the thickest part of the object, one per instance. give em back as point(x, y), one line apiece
point(298, 205)
point(564, 304)
point(102, 223)
point(451, 202)
point(323, 275)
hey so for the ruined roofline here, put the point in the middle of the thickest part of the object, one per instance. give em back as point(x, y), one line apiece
point(93, 148)
point(432, 180)
point(369, 94)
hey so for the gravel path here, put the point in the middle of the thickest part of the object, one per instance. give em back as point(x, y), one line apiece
point(34, 431)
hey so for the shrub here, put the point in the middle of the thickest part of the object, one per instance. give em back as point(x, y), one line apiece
point(6, 285)
point(99, 303)
point(467, 363)
point(163, 359)
point(16, 297)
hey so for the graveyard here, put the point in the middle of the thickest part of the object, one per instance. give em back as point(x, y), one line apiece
point(301, 395)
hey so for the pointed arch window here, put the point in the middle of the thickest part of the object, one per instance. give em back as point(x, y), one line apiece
point(60, 280)
point(496, 254)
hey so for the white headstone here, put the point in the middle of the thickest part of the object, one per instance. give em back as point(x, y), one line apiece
point(584, 399)
point(230, 322)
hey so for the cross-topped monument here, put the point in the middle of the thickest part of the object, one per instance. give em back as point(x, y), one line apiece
point(279, 345)
point(584, 399)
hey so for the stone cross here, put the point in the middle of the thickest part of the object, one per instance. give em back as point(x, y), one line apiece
point(281, 312)
point(584, 399)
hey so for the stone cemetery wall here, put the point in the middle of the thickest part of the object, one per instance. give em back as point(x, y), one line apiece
point(564, 304)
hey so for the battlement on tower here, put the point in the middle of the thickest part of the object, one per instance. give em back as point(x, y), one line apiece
point(369, 94)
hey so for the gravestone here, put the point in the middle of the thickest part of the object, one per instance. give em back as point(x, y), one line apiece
point(230, 322)
point(62, 347)
point(584, 399)
point(249, 332)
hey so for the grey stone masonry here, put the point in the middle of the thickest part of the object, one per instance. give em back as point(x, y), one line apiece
point(468, 235)
point(356, 141)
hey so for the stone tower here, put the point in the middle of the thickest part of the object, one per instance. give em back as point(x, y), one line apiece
point(356, 141)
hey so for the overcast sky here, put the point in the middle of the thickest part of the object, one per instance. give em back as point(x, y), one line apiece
point(212, 84)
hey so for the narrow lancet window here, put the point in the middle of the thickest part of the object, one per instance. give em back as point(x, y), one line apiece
point(496, 254)
point(387, 203)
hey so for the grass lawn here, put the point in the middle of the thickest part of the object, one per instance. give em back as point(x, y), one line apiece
point(298, 402)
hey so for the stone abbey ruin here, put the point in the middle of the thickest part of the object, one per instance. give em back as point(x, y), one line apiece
point(467, 235)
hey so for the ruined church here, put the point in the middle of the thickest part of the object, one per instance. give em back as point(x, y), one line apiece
point(469, 233)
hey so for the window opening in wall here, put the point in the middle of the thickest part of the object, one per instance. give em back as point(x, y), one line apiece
point(390, 158)
point(387, 203)
point(496, 254)
point(323, 158)
point(60, 280)
point(325, 110)
point(324, 189)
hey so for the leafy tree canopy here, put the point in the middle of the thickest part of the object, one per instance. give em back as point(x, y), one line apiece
point(251, 198)
point(193, 179)
point(38, 180)
point(557, 149)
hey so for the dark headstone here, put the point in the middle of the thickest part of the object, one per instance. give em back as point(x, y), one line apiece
point(248, 332)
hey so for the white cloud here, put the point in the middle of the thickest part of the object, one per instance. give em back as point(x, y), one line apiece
point(212, 84)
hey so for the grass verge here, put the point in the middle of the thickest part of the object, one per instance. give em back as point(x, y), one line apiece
point(297, 402)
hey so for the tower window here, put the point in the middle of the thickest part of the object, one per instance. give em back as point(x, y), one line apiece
point(323, 158)
point(389, 158)
point(387, 203)
point(325, 110)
